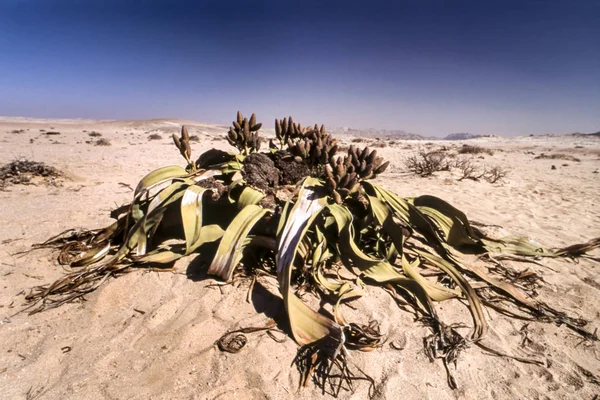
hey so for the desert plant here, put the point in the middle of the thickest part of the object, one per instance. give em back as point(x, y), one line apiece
point(102, 142)
point(557, 156)
point(426, 163)
point(469, 149)
point(23, 171)
point(495, 174)
point(154, 136)
point(469, 170)
point(244, 134)
point(333, 219)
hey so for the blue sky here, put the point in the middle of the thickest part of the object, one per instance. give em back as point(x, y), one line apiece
point(428, 67)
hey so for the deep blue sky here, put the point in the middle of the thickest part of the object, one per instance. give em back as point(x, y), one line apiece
point(428, 67)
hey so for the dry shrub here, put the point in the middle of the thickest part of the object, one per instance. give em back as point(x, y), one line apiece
point(22, 172)
point(474, 171)
point(557, 156)
point(94, 134)
point(426, 163)
point(379, 144)
point(194, 138)
point(468, 149)
point(469, 170)
point(102, 142)
point(358, 140)
point(495, 174)
point(154, 136)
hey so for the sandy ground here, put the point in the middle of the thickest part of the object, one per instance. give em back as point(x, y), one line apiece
point(151, 335)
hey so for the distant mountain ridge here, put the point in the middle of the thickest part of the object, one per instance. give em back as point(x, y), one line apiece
point(466, 136)
point(377, 133)
point(578, 134)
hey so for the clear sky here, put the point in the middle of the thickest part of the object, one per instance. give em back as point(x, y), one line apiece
point(424, 66)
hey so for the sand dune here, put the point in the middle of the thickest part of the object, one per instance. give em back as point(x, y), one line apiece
point(151, 335)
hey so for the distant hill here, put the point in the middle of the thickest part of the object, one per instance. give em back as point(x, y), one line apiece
point(376, 133)
point(585, 135)
point(466, 136)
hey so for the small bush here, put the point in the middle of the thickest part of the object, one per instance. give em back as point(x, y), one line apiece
point(94, 134)
point(194, 138)
point(468, 149)
point(559, 156)
point(495, 174)
point(469, 170)
point(426, 163)
point(18, 131)
point(473, 171)
point(102, 142)
point(357, 140)
point(154, 136)
point(24, 172)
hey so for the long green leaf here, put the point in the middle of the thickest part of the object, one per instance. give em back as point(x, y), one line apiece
point(378, 270)
point(249, 196)
point(208, 234)
point(229, 252)
point(307, 325)
point(191, 214)
point(160, 175)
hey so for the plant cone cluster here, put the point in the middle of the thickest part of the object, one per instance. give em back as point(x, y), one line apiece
point(183, 145)
point(345, 174)
point(286, 130)
point(243, 135)
point(337, 234)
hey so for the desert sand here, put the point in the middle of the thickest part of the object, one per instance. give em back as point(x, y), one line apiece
point(151, 335)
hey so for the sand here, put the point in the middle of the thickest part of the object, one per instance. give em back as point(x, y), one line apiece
point(151, 335)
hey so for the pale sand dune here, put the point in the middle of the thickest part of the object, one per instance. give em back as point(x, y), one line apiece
point(166, 349)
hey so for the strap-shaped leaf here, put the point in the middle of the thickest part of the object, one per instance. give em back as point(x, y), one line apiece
point(158, 176)
point(208, 233)
point(159, 256)
point(453, 222)
point(384, 217)
point(480, 328)
point(229, 252)
point(307, 325)
point(376, 269)
point(169, 195)
point(92, 256)
point(409, 214)
point(191, 214)
point(249, 196)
